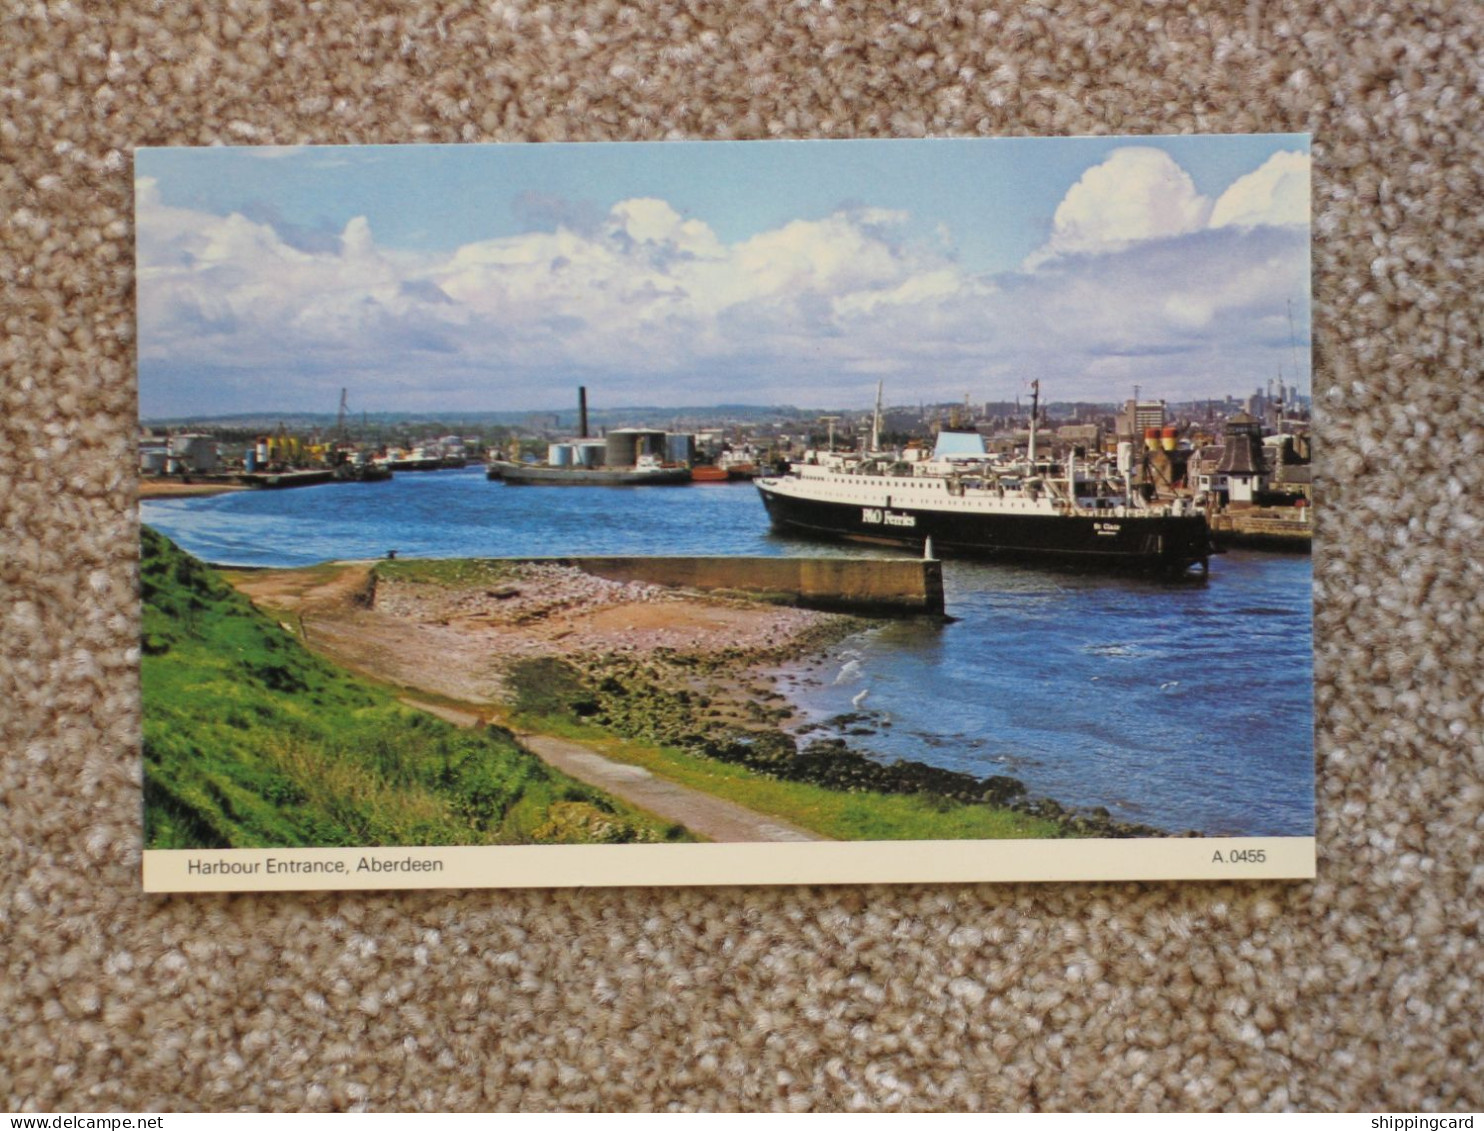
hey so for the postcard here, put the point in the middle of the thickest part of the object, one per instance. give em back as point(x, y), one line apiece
point(726, 513)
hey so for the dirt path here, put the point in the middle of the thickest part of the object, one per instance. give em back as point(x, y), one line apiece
point(701, 813)
point(326, 604)
point(332, 585)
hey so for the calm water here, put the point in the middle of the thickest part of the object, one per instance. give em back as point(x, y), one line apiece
point(1185, 705)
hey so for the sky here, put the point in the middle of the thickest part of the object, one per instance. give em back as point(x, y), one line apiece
point(499, 278)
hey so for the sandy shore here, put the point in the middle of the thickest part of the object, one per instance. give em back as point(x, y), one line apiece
point(654, 637)
point(461, 640)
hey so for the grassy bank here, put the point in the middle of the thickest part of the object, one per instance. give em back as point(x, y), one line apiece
point(554, 698)
point(252, 741)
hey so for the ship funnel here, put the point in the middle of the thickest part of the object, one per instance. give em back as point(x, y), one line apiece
point(582, 412)
point(1151, 438)
point(1167, 437)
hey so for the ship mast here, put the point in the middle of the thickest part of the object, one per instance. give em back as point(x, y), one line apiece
point(876, 421)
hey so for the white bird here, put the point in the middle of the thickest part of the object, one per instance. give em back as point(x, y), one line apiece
point(860, 698)
point(849, 671)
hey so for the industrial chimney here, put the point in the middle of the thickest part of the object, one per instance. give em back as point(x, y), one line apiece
point(582, 412)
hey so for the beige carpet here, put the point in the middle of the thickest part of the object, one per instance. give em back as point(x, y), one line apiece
point(1362, 990)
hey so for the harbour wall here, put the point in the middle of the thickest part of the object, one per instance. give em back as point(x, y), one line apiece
point(882, 586)
point(1263, 529)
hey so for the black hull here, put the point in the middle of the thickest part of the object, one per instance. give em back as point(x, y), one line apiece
point(1156, 543)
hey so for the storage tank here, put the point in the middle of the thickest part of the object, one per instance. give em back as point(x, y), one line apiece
point(591, 453)
point(194, 451)
point(680, 447)
point(620, 449)
point(559, 455)
point(205, 454)
point(626, 445)
point(152, 461)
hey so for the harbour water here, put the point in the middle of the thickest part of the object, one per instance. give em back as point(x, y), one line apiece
point(1182, 705)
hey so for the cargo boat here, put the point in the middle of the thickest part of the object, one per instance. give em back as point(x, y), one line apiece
point(647, 472)
point(278, 480)
point(418, 459)
point(958, 500)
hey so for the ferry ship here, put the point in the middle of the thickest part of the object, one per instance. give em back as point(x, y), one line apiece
point(958, 500)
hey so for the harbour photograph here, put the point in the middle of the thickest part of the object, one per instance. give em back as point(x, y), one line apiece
point(590, 507)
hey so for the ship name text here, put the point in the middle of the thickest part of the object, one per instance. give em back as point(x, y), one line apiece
point(878, 517)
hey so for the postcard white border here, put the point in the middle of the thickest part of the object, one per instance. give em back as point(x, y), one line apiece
point(686, 865)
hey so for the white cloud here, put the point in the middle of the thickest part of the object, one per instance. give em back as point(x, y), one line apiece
point(650, 221)
point(647, 292)
point(1276, 193)
point(654, 306)
point(1138, 193)
point(357, 240)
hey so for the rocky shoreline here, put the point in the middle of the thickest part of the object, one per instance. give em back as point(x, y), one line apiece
point(728, 708)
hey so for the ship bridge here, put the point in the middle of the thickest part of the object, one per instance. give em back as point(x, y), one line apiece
point(959, 446)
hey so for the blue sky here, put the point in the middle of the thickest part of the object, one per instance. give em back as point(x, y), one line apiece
point(496, 277)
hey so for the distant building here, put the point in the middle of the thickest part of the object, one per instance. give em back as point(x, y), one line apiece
point(1240, 471)
point(1139, 415)
point(1292, 472)
point(1089, 437)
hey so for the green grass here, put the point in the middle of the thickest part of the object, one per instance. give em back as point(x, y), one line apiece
point(250, 740)
point(837, 814)
point(452, 573)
